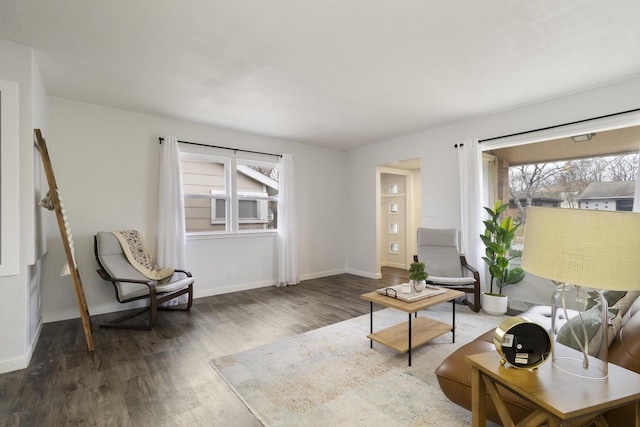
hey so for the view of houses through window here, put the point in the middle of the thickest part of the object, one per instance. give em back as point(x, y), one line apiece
point(600, 183)
point(227, 195)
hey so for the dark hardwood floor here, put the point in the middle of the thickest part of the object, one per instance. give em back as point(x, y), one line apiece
point(163, 377)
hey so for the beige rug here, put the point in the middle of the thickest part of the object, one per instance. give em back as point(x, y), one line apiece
point(330, 376)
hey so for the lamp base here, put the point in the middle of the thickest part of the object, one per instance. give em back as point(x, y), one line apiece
point(579, 328)
point(573, 366)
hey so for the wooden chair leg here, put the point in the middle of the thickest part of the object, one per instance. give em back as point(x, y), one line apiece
point(188, 290)
point(153, 308)
point(477, 303)
point(117, 325)
point(190, 303)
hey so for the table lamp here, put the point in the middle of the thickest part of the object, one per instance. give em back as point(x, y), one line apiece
point(583, 252)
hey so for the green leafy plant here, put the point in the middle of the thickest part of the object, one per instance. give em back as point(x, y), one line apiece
point(498, 238)
point(417, 271)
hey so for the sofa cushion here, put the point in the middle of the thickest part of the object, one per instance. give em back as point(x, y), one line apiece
point(625, 349)
point(629, 304)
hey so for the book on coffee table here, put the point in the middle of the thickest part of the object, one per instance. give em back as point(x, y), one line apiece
point(396, 292)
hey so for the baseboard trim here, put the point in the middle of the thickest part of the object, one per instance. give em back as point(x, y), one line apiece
point(34, 341)
point(366, 274)
point(320, 274)
point(231, 288)
point(394, 265)
point(58, 316)
point(16, 364)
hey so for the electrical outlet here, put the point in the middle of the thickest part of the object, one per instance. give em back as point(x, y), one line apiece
point(229, 274)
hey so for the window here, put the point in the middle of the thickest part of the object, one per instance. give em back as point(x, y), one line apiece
point(252, 208)
point(624, 205)
point(229, 195)
point(558, 173)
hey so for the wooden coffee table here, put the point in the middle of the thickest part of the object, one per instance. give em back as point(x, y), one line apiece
point(415, 332)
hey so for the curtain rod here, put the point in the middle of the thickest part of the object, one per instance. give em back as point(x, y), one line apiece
point(557, 126)
point(235, 150)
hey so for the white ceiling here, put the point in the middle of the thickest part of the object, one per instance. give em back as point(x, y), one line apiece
point(340, 73)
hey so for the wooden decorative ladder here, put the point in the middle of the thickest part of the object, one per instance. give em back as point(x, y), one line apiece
point(67, 238)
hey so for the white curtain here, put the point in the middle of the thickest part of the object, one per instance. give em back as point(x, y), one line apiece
point(471, 200)
point(172, 240)
point(287, 237)
point(636, 195)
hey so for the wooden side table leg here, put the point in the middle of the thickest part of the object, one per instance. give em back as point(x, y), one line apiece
point(371, 322)
point(453, 321)
point(637, 414)
point(478, 409)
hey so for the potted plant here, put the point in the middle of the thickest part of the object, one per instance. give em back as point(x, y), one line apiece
point(418, 276)
point(498, 238)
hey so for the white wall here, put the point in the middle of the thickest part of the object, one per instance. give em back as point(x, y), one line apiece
point(439, 166)
point(20, 315)
point(106, 165)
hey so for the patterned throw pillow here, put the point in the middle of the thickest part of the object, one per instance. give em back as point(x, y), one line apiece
point(592, 323)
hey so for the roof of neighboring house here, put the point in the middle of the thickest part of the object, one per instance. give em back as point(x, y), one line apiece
point(609, 190)
point(537, 196)
point(270, 182)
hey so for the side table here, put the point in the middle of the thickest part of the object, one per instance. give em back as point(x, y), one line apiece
point(562, 399)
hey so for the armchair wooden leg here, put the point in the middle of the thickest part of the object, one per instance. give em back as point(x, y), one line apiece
point(117, 325)
point(477, 304)
point(190, 303)
point(153, 308)
point(155, 304)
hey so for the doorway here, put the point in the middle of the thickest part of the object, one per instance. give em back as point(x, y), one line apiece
point(398, 208)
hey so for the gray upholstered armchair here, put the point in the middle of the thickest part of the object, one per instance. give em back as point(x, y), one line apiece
point(131, 285)
point(439, 250)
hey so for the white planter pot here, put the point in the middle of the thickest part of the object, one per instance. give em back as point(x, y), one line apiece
point(495, 305)
point(418, 286)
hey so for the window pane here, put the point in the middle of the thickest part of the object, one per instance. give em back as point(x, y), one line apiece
point(596, 183)
point(624, 205)
point(220, 209)
point(198, 215)
point(200, 180)
point(248, 209)
point(258, 196)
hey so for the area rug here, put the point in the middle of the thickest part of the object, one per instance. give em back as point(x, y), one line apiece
point(331, 377)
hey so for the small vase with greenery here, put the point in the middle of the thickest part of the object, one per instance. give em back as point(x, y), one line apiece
point(498, 238)
point(418, 276)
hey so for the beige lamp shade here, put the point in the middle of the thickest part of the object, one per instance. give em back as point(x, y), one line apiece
point(592, 248)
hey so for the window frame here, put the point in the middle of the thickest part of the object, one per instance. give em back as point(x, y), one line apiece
point(232, 196)
point(603, 124)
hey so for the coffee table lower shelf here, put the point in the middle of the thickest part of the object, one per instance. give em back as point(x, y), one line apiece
point(423, 330)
